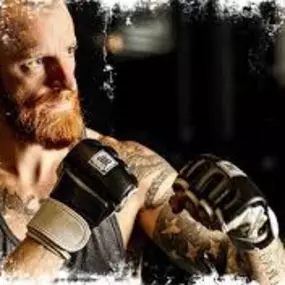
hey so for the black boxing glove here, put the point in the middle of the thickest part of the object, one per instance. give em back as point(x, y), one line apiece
point(217, 192)
point(94, 182)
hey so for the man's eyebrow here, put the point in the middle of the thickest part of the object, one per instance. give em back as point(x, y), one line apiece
point(26, 52)
point(32, 49)
point(17, 50)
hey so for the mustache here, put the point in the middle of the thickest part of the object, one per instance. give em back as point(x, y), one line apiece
point(50, 97)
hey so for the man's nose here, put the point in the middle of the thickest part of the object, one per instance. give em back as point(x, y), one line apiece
point(60, 75)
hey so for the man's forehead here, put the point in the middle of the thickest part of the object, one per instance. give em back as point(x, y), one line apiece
point(19, 13)
point(9, 5)
point(20, 28)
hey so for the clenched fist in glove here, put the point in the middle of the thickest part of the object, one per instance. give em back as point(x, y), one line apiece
point(94, 182)
point(218, 193)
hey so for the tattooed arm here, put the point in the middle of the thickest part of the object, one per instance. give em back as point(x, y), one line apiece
point(186, 241)
point(182, 238)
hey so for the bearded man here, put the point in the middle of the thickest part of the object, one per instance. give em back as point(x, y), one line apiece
point(41, 124)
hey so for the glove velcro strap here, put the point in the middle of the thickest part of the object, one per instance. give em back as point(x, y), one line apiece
point(41, 239)
point(59, 228)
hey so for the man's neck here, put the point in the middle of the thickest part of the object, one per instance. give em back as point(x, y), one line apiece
point(30, 166)
point(34, 165)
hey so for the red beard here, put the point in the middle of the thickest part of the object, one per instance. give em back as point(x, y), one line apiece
point(37, 120)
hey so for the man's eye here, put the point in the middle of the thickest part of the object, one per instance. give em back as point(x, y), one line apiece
point(72, 49)
point(33, 65)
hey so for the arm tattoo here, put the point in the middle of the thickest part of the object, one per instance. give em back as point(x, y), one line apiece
point(13, 202)
point(147, 166)
point(154, 189)
point(268, 264)
point(193, 247)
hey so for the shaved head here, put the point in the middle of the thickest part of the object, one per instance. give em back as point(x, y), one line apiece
point(38, 89)
point(16, 18)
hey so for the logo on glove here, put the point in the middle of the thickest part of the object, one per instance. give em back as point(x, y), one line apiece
point(230, 169)
point(103, 162)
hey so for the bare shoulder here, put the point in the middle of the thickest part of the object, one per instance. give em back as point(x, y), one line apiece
point(154, 173)
point(92, 134)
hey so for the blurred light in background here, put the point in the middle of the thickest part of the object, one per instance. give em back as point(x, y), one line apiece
point(145, 38)
point(279, 66)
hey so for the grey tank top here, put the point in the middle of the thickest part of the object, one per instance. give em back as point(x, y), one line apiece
point(103, 254)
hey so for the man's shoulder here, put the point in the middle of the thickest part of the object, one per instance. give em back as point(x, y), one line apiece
point(124, 147)
point(119, 145)
point(154, 173)
point(92, 134)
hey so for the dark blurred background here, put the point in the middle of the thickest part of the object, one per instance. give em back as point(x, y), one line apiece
point(189, 78)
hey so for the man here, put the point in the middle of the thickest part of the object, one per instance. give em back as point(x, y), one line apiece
point(41, 122)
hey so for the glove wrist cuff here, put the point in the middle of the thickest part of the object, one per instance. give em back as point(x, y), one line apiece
point(59, 228)
point(262, 230)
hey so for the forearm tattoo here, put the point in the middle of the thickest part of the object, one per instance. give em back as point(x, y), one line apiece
point(268, 264)
point(191, 245)
point(149, 168)
point(155, 186)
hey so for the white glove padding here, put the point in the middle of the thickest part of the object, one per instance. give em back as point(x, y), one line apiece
point(246, 227)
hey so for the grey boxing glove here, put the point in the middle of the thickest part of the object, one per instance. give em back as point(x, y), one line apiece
point(94, 182)
point(219, 194)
